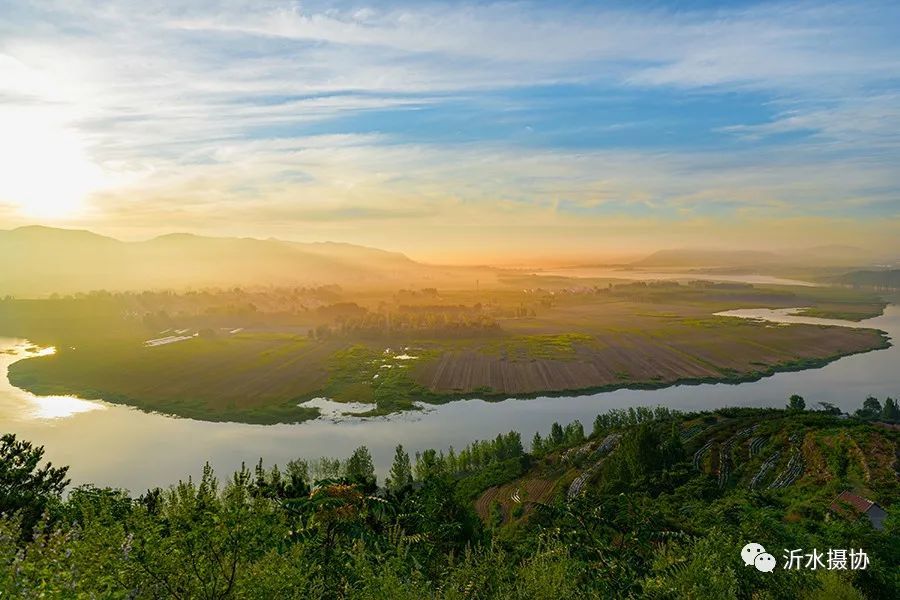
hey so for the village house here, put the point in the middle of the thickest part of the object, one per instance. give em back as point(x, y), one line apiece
point(848, 502)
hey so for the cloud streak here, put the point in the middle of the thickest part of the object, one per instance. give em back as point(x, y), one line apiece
point(332, 115)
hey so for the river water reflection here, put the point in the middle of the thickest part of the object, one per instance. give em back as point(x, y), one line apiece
point(115, 445)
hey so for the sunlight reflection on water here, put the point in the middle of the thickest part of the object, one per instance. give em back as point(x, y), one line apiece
point(49, 407)
point(58, 407)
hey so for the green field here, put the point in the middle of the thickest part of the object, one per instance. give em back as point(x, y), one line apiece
point(392, 349)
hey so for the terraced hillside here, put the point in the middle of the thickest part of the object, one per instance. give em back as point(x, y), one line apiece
point(651, 504)
point(800, 461)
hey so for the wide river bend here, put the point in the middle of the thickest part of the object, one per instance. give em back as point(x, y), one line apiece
point(115, 445)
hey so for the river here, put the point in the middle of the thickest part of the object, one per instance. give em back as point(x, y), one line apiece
point(672, 275)
point(115, 445)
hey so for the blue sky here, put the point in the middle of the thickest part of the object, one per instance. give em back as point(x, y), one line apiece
point(591, 127)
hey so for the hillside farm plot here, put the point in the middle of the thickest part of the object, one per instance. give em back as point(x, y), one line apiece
point(521, 492)
point(808, 458)
point(608, 444)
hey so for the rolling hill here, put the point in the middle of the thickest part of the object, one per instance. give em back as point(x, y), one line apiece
point(37, 261)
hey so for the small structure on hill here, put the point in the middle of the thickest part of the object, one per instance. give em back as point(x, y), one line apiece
point(848, 502)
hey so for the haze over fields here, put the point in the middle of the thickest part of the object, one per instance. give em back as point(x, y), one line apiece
point(38, 261)
point(255, 327)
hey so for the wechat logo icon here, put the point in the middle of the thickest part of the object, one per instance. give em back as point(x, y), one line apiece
point(754, 554)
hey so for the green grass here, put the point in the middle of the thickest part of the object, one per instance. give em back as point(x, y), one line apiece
point(844, 312)
point(259, 375)
point(363, 374)
point(219, 379)
point(549, 346)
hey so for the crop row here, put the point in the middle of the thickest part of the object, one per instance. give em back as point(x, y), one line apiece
point(725, 453)
point(791, 472)
point(767, 466)
point(756, 445)
point(608, 444)
point(698, 455)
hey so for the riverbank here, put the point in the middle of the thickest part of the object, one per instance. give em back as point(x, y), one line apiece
point(124, 447)
point(593, 366)
point(190, 355)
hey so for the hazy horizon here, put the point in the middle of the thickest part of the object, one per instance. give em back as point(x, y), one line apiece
point(859, 256)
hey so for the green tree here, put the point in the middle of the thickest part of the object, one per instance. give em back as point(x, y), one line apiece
point(26, 486)
point(574, 433)
point(428, 464)
point(205, 539)
point(830, 408)
point(537, 444)
point(796, 403)
point(297, 476)
point(495, 516)
point(871, 409)
point(400, 476)
point(325, 468)
point(452, 461)
point(640, 457)
point(642, 450)
point(890, 411)
point(557, 435)
point(360, 467)
point(601, 422)
point(673, 449)
point(699, 574)
point(513, 445)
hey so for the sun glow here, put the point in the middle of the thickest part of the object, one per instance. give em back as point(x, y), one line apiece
point(59, 407)
point(46, 172)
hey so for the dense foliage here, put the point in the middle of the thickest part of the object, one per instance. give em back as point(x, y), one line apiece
point(652, 521)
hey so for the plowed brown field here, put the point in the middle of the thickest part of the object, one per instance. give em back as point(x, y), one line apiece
point(726, 351)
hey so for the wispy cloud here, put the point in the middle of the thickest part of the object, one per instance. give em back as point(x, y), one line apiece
point(331, 114)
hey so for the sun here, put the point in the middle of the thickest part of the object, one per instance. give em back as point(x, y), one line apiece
point(46, 171)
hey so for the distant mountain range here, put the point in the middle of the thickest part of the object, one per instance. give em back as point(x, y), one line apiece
point(39, 260)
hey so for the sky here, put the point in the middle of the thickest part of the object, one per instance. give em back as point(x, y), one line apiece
point(457, 132)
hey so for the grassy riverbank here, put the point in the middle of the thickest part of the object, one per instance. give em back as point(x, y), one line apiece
point(507, 343)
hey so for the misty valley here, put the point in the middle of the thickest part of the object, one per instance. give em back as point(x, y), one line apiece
point(422, 379)
point(258, 354)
